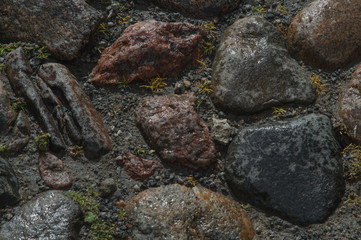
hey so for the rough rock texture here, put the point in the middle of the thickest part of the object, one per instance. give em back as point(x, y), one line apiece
point(199, 8)
point(107, 187)
point(326, 33)
point(148, 49)
point(178, 212)
point(9, 186)
point(350, 106)
point(221, 130)
point(64, 26)
point(172, 127)
point(88, 122)
point(59, 103)
point(52, 171)
point(136, 167)
point(290, 168)
point(253, 71)
point(7, 114)
point(50, 216)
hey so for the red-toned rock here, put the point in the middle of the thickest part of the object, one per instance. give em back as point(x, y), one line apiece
point(326, 33)
point(136, 167)
point(172, 127)
point(52, 171)
point(148, 49)
point(350, 106)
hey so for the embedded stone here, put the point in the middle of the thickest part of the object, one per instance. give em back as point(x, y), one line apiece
point(9, 185)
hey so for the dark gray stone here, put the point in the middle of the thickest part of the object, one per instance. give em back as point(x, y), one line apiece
point(290, 168)
point(64, 26)
point(9, 186)
point(51, 216)
point(253, 71)
point(7, 114)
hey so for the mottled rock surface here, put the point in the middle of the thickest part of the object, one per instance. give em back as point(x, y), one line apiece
point(7, 114)
point(64, 26)
point(253, 71)
point(61, 106)
point(178, 212)
point(51, 215)
point(172, 127)
point(221, 130)
point(148, 49)
point(350, 106)
point(199, 8)
point(326, 33)
point(52, 171)
point(290, 168)
point(9, 186)
point(107, 187)
point(137, 167)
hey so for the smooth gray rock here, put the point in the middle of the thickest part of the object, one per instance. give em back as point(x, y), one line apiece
point(64, 26)
point(291, 168)
point(253, 71)
point(51, 216)
point(179, 212)
point(9, 186)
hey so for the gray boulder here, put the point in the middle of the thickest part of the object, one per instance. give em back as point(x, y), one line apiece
point(51, 216)
point(253, 71)
point(64, 26)
point(9, 186)
point(290, 168)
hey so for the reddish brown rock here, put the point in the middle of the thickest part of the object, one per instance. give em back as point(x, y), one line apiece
point(350, 106)
point(7, 114)
point(52, 171)
point(172, 127)
point(136, 167)
point(326, 33)
point(148, 49)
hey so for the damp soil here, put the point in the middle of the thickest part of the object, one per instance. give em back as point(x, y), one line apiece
point(116, 105)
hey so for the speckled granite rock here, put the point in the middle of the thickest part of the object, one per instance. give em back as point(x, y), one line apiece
point(290, 168)
point(178, 212)
point(172, 127)
point(148, 49)
point(253, 71)
point(326, 33)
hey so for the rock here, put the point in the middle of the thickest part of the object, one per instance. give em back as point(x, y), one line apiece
point(7, 114)
point(290, 168)
point(20, 134)
point(253, 71)
point(221, 130)
point(136, 167)
point(199, 8)
point(72, 22)
point(313, 38)
point(9, 186)
point(178, 212)
point(87, 121)
point(59, 103)
point(350, 106)
point(51, 215)
point(107, 187)
point(147, 49)
point(52, 171)
point(171, 126)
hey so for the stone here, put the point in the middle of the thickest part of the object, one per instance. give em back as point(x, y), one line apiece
point(52, 171)
point(178, 212)
point(326, 33)
point(350, 106)
point(289, 168)
point(199, 8)
point(253, 71)
point(72, 22)
point(172, 127)
point(51, 215)
point(7, 114)
point(20, 134)
point(221, 130)
point(9, 185)
point(59, 103)
point(149, 49)
point(107, 187)
point(136, 167)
